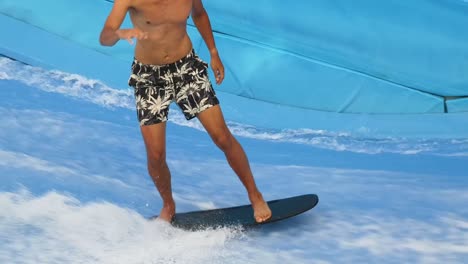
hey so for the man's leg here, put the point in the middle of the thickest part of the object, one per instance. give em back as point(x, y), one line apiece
point(155, 142)
point(213, 121)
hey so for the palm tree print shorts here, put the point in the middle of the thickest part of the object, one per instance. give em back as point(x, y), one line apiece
point(156, 86)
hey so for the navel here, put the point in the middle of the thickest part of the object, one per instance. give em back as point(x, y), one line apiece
point(148, 22)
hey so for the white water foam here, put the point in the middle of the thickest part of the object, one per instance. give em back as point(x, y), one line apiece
point(56, 228)
point(68, 84)
point(94, 91)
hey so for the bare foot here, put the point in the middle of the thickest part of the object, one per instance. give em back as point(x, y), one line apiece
point(167, 213)
point(261, 209)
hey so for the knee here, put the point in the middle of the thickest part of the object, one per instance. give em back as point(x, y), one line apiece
point(156, 160)
point(223, 140)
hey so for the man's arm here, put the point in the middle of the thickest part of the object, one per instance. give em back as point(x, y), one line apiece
point(202, 22)
point(111, 33)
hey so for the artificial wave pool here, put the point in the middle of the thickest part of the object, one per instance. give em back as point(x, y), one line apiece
point(392, 187)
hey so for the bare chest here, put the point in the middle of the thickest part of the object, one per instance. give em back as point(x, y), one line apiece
point(157, 12)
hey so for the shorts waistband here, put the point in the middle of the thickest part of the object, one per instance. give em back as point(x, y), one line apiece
point(177, 63)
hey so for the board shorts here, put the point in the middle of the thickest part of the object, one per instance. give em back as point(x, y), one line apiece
point(185, 82)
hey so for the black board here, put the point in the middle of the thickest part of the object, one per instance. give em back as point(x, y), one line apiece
point(243, 215)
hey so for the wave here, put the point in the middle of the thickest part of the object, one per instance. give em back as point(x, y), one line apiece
point(77, 86)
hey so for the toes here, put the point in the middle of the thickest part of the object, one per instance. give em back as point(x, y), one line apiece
point(258, 219)
point(261, 219)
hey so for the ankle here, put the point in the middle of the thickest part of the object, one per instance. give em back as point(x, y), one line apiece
point(169, 204)
point(255, 195)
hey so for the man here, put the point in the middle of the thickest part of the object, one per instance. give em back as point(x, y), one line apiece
point(166, 69)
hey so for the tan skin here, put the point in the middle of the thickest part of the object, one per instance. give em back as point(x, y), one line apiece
point(159, 28)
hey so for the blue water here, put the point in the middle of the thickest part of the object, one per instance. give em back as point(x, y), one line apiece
point(75, 187)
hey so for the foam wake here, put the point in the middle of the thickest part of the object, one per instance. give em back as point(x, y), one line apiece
point(56, 228)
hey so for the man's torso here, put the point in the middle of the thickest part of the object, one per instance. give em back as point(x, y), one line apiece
point(166, 23)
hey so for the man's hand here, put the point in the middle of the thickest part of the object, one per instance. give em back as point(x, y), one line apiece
point(130, 34)
point(217, 67)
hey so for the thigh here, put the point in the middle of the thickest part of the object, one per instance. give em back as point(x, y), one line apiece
point(152, 104)
point(194, 91)
point(154, 137)
point(153, 91)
